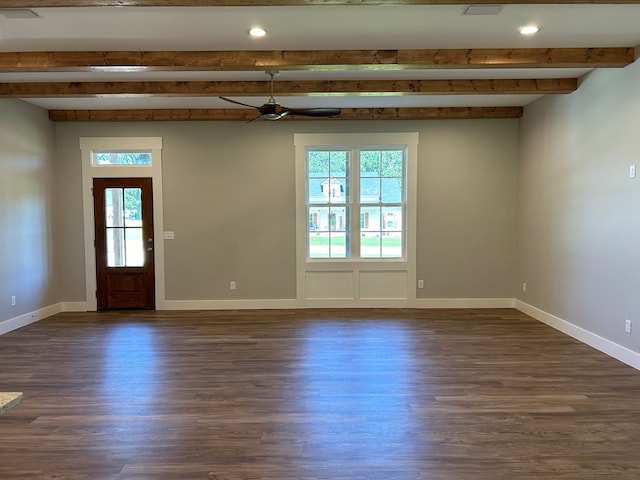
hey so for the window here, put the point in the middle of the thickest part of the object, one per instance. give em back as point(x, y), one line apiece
point(123, 220)
point(122, 158)
point(364, 183)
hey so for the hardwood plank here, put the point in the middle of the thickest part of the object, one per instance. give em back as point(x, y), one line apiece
point(314, 394)
point(248, 114)
point(249, 60)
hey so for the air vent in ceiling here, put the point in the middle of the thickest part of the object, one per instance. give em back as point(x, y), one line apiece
point(18, 13)
point(482, 10)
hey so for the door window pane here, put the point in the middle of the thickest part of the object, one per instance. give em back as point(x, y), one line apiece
point(134, 247)
point(133, 207)
point(114, 208)
point(123, 215)
point(115, 247)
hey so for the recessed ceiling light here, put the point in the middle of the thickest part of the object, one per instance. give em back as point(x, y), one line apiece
point(257, 32)
point(529, 29)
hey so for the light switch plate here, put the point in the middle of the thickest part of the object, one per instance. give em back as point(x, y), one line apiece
point(632, 171)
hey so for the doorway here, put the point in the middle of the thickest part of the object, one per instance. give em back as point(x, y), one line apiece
point(124, 243)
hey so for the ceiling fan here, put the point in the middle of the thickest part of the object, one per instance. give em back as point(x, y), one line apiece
point(272, 110)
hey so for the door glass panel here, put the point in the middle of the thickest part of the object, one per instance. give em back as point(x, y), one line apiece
point(134, 247)
point(115, 247)
point(114, 207)
point(123, 214)
point(133, 207)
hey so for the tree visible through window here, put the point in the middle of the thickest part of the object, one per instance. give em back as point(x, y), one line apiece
point(367, 184)
point(123, 158)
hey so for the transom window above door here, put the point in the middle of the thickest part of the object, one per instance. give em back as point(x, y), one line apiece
point(121, 158)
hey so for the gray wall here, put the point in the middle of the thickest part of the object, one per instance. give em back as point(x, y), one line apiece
point(27, 206)
point(229, 195)
point(579, 212)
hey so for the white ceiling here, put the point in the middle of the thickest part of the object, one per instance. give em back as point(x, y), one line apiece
point(310, 28)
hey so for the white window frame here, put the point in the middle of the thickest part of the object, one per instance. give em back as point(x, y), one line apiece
point(362, 280)
point(353, 201)
point(91, 170)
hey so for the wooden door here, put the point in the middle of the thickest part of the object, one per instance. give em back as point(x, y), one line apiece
point(124, 243)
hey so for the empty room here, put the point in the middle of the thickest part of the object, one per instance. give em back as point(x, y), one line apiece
point(319, 240)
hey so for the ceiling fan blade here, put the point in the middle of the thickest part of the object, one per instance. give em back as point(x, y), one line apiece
point(237, 103)
point(272, 110)
point(313, 112)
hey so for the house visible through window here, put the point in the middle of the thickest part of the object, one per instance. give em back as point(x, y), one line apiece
point(356, 183)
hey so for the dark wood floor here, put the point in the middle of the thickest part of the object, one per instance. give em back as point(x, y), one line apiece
point(314, 395)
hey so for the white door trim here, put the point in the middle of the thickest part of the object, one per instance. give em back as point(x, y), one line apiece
point(89, 145)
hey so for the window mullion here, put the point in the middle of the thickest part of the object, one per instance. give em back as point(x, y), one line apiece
point(355, 203)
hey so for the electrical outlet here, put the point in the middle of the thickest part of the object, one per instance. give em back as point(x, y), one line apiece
point(420, 283)
point(627, 326)
point(13, 300)
point(232, 285)
point(524, 286)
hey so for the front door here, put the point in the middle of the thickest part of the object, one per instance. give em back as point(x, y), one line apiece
point(123, 212)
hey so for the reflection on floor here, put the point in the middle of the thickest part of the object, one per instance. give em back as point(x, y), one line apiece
point(9, 400)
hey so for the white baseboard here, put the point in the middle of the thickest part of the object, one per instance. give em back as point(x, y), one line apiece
point(75, 307)
point(263, 304)
point(612, 349)
point(335, 303)
point(464, 303)
point(28, 318)
point(353, 303)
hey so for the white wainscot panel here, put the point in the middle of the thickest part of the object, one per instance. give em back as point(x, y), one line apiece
point(383, 284)
point(329, 285)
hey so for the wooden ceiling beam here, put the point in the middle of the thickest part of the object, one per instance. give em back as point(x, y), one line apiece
point(303, 88)
point(280, 3)
point(247, 114)
point(475, 58)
